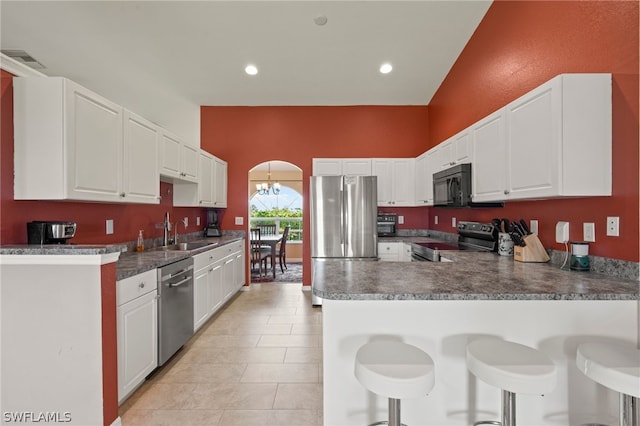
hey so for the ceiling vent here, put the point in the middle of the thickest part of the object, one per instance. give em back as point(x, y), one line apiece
point(24, 58)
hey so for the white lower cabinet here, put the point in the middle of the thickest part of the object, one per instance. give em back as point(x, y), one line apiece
point(219, 274)
point(394, 252)
point(137, 329)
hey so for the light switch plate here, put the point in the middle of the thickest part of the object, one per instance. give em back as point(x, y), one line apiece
point(239, 220)
point(589, 232)
point(400, 220)
point(109, 226)
point(198, 221)
point(533, 226)
point(453, 222)
point(435, 220)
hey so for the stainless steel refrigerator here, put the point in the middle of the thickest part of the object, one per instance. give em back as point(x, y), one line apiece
point(343, 219)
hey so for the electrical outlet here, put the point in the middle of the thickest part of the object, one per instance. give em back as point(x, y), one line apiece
point(435, 220)
point(562, 232)
point(613, 226)
point(533, 226)
point(589, 232)
point(400, 220)
point(453, 222)
point(109, 226)
point(239, 220)
point(198, 221)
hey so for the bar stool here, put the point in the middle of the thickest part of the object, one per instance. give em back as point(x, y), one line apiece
point(617, 367)
point(512, 367)
point(394, 370)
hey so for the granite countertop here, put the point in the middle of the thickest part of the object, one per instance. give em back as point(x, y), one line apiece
point(61, 249)
point(133, 263)
point(129, 263)
point(469, 276)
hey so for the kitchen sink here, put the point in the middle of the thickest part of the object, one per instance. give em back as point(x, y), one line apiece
point(184, 246)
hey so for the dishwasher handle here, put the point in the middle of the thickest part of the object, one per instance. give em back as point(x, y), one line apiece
point(179, 283)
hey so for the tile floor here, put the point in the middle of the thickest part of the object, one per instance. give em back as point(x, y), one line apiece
point(257, 362)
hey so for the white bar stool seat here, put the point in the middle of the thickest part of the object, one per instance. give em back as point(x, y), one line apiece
point(512, 367)
point(617, 367)
point(394, 370)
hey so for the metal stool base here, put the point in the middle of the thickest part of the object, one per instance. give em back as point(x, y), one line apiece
point(394, 414)
point(508, 411)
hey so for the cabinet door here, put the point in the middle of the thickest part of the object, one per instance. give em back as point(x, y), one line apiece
point(201, 297)
point(327, 167)
point(403, 181)
point(141, 176)
point(489, 171)
point(228, 272)
point(170, 155)
point(389, 252)
point(462, 147)
point(356, 166)
point(420, 180)
point(94, 132)
point(137, 328)
point(190, 160)
point(534, 134)
point(220, 183)
point(383, 169)
point(217, 290)
point(205, 180)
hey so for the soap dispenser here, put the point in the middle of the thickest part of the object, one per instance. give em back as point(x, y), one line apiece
point(140, 245)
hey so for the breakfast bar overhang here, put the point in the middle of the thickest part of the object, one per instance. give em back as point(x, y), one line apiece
point(440, 307)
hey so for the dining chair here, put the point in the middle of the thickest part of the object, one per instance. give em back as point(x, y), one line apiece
point(268, 229)
point(282, 253)
point(258, 253)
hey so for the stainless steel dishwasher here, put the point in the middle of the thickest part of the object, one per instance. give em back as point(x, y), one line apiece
point(175, 307)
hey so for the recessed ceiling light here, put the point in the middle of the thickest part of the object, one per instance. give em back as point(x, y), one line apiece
point(386, 68)
point(251, 69)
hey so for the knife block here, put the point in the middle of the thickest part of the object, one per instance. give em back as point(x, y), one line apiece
point(532, 252)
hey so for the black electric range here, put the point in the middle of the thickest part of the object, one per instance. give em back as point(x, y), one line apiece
point(473, 236)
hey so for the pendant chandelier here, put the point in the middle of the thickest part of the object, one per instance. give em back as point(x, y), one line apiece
point(265, 187)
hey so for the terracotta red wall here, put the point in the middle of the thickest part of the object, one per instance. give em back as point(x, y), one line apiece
point(518, 46)
point(248, 136)
point(91, 217)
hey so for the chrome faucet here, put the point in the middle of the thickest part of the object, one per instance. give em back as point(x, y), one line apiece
point(167, 230)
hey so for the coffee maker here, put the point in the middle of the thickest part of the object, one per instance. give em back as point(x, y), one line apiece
point(50, 232)
point(212, 229)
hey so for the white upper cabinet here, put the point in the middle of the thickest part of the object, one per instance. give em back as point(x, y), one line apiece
point(559, 139)
point(455, 150)
point(68, 142)
point(426, 164)
point(489, 168)
point(396, 181)
point(141, 176)
point(555, 141)
point(219, 182)
point(178, 160)
point(211, 188)
point(342, 166)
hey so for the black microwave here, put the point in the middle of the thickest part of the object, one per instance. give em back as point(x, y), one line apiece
point(452, 188)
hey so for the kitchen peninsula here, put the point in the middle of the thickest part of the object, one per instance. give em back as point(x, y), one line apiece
point(440, 307)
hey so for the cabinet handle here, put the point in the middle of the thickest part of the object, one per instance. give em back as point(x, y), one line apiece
point(211, 270)
point(141, 285)
point(506, 192)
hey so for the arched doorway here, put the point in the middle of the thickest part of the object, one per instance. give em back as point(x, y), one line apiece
point(275, 198)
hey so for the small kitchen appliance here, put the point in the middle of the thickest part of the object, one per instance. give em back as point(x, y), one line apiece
point(212, 229)
point(579, 256)
point(452, 188)
point(387, 224)
point(50, 232)
point(472, 236)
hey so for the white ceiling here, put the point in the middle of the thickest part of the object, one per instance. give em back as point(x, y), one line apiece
point(156, 57)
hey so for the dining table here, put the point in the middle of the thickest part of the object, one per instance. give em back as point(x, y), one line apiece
point(272, 241)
